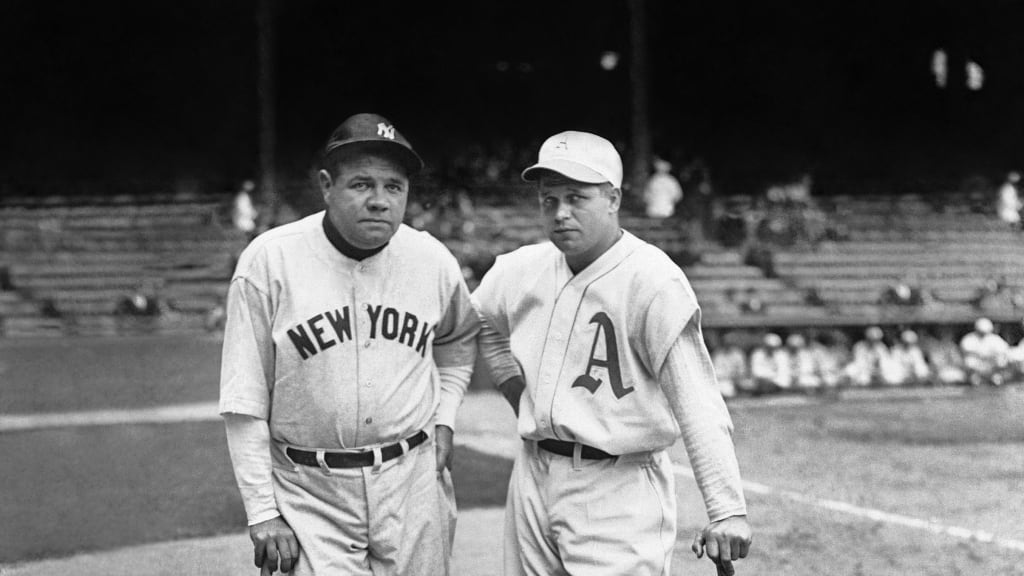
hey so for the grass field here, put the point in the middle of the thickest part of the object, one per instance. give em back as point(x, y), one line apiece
point(956, 460)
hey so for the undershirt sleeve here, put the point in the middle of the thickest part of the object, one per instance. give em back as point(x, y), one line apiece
point(249, 446)
point(688, 382)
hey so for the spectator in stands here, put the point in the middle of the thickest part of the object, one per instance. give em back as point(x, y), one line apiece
point(872, 361)
point(812, 297)
point(806, 375)
point(49, 309)
point(1008, 204)
point(662, 191)
point(751, 302)
point(770, 366)
point(243, 211)
point(695, 178)
point(944, 356)
point(986, 354)
point(787, 212)
point(830, 355)
point(776, 226)
point(731, 366)
point(1016, 359)
point(909, 363)
point(992, 295)
point(5, 278)
point(144, 301)
point(762, 257)
point(904, 292)
point(732, 226)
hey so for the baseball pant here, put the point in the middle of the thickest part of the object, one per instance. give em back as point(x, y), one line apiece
point(395, 519)
point(570, 516)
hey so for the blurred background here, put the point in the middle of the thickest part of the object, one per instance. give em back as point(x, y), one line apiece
point(839, 181)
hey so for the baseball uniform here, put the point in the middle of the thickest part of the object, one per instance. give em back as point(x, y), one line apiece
point(986, 355)
point(346, 358)
point(616, 369)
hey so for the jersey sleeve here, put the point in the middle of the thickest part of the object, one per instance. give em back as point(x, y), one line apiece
point(689, 384)
point(247, 363)
point(670, 308)
point(493, 342)
point(454, 347)
point(455, 338)
point(489, 298)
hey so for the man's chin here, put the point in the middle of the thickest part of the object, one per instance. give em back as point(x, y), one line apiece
point(567, 247)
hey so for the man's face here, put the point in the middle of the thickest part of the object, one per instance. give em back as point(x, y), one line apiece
point(366, 201)
point(579, 218)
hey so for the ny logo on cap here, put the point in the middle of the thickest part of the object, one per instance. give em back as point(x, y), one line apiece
point(562, 144)
point(386, 130)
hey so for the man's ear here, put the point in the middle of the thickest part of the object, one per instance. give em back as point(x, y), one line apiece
point(325, 180)
point(614, 199)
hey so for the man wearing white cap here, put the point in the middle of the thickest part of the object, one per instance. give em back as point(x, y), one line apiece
point(595, 339)
point(986, 354)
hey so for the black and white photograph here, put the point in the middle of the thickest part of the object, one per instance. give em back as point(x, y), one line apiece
point(532, 288)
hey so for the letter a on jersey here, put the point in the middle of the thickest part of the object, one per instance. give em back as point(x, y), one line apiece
point(610, 363)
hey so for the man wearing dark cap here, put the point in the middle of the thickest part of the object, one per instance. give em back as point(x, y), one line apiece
point(349, 344)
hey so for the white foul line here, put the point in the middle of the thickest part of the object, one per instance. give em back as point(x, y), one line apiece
point(197, 412)
point(876, 515)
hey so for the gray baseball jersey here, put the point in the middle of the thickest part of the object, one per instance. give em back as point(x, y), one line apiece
point(338, 353)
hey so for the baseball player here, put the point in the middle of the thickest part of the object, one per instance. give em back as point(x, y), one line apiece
point(349, 344)
point(985, 354)
point(595, 340)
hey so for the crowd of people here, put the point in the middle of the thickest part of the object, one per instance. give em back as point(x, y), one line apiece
point(819, 360)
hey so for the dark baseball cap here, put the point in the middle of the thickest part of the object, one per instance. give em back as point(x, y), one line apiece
point(373, 132)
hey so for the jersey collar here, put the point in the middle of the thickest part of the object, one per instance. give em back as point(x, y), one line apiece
point(344, 246)
point(612, 257)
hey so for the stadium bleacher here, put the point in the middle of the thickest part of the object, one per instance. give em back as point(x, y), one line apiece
point(69, 261)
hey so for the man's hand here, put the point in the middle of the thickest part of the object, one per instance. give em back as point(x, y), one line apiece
point(443, 446)
point(273, 539)
point(725, 541)
point(512, 389)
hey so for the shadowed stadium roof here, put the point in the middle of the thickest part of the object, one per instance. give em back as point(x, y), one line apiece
point(124, 90)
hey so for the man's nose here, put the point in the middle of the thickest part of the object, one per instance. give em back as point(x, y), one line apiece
point(562, 212)
point(378, 200)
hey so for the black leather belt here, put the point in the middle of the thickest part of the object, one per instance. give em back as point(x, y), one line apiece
point(566, 449)
point(354, 459)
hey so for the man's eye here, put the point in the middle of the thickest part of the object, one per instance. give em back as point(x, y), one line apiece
point(394, 188)
point(360, 186)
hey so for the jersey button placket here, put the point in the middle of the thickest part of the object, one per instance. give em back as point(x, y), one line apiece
point(554, 356)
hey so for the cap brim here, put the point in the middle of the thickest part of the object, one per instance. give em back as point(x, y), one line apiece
point(407, 157)
point(568, 168)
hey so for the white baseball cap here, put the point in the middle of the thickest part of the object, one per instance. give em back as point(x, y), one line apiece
point(579, 156)
point(984, 325)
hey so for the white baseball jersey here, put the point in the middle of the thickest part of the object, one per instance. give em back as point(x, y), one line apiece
point(591, 346)
point(989, 348)
point(338, 353)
